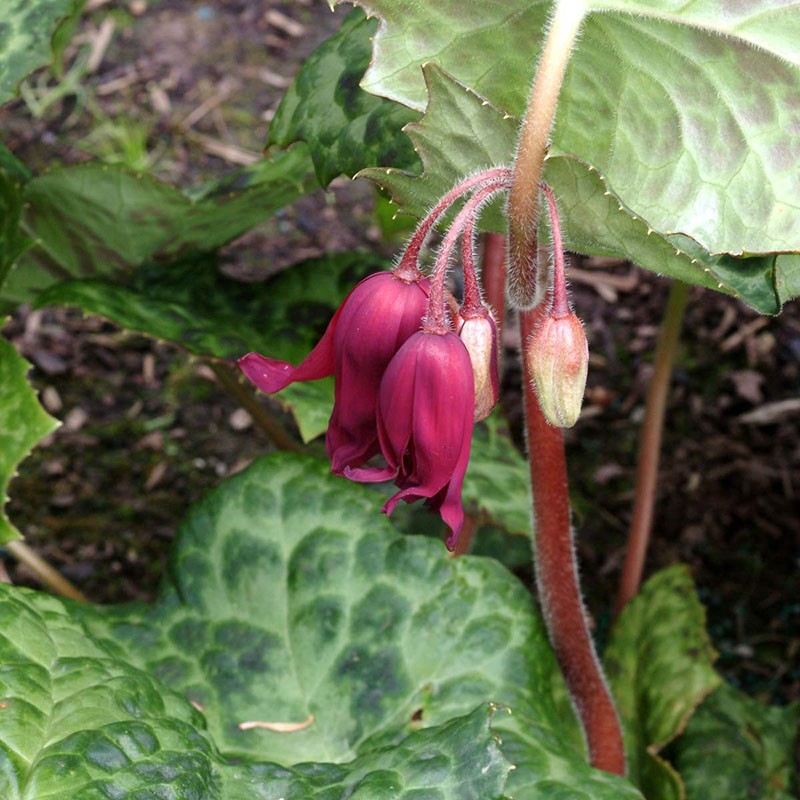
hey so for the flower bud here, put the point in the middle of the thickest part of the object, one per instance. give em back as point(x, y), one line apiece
point(557, 357)
point(479, 335)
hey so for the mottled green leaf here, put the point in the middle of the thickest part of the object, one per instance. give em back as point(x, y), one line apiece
point(460, 133)
point(27, 28)
point(497, 487)
point(95, 220)
point(346, 128)
point(658, 663)
point(23, 422)
point(83, 724)
point(707, 148)
point(290, 600)
point(290, 595)
point(544, 770)
point(735, 748)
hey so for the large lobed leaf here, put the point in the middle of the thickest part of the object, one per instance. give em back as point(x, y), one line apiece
point(461, 133)
point(659, 665)
point(23, 422)
point(346, 128)
point(688, 109)
point(735, 747)
point(27, 29)
point(83, 724)
point(288, 596)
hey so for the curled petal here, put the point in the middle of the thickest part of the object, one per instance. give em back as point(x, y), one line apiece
point(271, 375)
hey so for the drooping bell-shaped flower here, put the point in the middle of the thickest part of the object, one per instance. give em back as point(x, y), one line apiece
point(375, 319)
point(478, 331)
point(425, 419)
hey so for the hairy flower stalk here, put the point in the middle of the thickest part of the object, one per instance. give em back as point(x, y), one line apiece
point(557, 353)
point(554, 557)
point(496, 175)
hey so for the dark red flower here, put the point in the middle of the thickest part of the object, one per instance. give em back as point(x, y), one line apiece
point(425, 418)
point(375, 319)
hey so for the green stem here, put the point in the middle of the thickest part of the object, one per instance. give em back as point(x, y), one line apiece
point(229, 379)
point(526, 284)
point(650, 444)
point(557, 580)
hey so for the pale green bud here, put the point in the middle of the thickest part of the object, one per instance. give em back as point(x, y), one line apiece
point(557, 357)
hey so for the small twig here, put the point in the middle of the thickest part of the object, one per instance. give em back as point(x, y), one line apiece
point(278, 727)
point(464, 541)
point(650, 445)
point(228, 152)
point(48, 576)
point(231, 383)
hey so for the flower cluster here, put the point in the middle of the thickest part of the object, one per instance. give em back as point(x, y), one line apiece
point(410, 380)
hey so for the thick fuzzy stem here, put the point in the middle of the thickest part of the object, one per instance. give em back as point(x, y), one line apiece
point(557, 581)
point(526, 286)
point(650, 445)
point(436, 319)
point(493, 274)
point(409, 260)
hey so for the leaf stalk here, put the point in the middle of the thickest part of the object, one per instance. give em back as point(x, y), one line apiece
point(527, 285)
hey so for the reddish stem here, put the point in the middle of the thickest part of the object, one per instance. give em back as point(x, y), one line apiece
point(436, 320)
point(557, 580)
point(464, 541)
point(409, 260)
point(560, 302)
point(473, 302)
point(493, 274)
point(650, 445)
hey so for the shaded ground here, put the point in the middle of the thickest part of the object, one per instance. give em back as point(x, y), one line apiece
point(187, 89)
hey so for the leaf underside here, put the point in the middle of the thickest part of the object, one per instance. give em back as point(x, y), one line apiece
point(688, 110)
